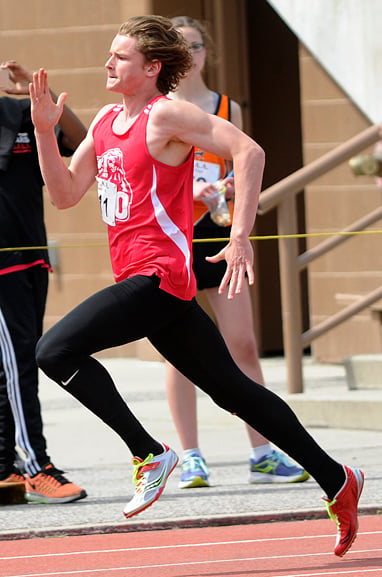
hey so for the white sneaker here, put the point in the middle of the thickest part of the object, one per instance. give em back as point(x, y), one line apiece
point(150, 478)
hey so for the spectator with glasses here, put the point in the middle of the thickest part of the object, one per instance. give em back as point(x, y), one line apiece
point(234, 317)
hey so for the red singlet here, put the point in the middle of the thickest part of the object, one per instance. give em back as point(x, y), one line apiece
point(148, 206)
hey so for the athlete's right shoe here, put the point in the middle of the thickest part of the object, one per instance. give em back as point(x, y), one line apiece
point(50, 486)
point(343, 509)
point(194, 473)
point(150, 476)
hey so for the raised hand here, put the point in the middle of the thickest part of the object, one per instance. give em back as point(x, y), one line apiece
point(45, 112)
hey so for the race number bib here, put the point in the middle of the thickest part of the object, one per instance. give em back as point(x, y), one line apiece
point(206, 171)
point(107, 196)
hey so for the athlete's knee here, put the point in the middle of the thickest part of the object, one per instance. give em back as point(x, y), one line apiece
point(46, 355)
point(225, 399)
point(237, 394)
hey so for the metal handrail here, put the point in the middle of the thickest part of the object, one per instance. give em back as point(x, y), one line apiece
point(322, 248)
point(338, 318)
point(295, 182)
point(282, 195)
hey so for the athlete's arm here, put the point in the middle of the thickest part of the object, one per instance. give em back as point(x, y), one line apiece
point(66, 185)
point(183, 124)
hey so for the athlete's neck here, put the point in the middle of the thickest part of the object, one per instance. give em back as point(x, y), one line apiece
point(133, 105)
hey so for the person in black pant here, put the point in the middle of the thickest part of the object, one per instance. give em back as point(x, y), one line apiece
point(141, 153)
point(23, 293)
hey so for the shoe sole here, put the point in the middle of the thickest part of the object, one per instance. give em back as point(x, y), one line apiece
point(360, 477)
point(194, 483)
point(32, 497)
point(160, 491)
point(266, 478)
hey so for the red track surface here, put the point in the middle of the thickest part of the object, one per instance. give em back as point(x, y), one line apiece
point(288, 549)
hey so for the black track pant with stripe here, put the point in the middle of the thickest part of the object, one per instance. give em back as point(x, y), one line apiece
point(22, 306)
point(188, 338)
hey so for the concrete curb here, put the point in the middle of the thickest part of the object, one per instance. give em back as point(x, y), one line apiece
point(180, 523)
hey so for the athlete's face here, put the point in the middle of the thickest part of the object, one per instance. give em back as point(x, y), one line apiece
point(195, 41)
point(126, 66)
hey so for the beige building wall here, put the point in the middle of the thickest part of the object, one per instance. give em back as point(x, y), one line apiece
point(333, 202)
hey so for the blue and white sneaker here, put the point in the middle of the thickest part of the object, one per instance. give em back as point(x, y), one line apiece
point(276, 468)
point(194, 473)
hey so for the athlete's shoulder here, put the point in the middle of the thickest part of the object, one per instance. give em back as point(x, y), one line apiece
point(167, 109)
point(162, 105)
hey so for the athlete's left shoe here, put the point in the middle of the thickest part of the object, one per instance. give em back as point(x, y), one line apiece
point(150, 476)
point(276, 468)
point(343, 509)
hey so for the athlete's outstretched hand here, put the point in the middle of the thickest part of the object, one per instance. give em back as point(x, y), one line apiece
point(45, 112)
point(239, 256)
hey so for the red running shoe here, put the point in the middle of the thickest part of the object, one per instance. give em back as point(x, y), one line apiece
point(343, 509)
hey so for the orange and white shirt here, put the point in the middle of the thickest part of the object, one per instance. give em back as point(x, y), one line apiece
point(209, 167)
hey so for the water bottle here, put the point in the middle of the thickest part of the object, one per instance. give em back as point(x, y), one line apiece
point(218, 206)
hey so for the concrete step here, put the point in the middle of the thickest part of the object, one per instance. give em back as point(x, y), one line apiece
point(328, 400)
point(350, 412)
point(364, 371)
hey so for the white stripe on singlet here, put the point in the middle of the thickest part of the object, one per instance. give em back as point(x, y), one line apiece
point(169, 227)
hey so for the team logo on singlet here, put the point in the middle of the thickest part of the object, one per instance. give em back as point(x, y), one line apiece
point(114, 191)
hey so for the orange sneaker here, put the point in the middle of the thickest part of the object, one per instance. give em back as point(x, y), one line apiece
point(50, 486)
point(15, 478)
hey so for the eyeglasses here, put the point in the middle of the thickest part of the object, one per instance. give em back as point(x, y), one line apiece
point(196, 47)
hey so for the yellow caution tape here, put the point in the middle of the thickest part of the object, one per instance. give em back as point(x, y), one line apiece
point(201, 240)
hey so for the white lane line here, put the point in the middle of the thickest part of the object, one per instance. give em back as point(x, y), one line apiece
point(180, 546)
point(193, 563)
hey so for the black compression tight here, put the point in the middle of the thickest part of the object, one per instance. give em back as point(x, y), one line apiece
point(187, 338)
